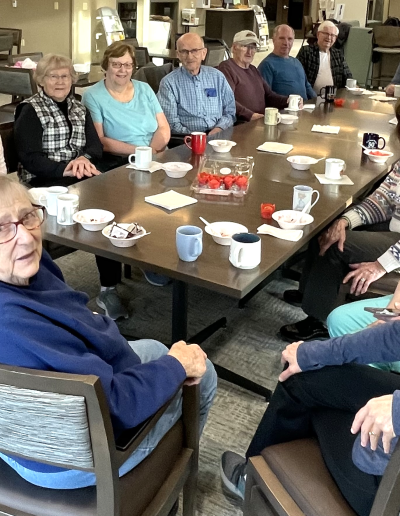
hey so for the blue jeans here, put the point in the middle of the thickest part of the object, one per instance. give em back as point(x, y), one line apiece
point(147, 350)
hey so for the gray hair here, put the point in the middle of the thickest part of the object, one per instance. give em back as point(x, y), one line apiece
point(10, 188)
point(328, 25)
point(279, 27)
point(51, 62)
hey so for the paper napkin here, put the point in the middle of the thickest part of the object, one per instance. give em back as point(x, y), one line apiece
point(154, 165)
point(277, 148)
point(329, 129)
point(393, 121)
point(344, 180)
point(383, 98)
point(284, 234)
point(309, 106)
point(170, 200)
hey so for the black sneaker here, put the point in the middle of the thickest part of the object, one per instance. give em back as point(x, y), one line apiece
point(293, 297)
point(233, 473)
point(308, 329)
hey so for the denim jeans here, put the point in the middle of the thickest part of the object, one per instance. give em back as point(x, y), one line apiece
point(147, 350)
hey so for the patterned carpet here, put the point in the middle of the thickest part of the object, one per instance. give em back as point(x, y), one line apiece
point(248, 346)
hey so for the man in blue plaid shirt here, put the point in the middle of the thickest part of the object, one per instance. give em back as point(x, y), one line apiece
point(196, 97)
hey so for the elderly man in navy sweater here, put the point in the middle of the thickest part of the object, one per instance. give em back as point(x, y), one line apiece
point(46, 325)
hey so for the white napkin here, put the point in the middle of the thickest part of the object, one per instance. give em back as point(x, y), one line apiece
point(277, 148)
point(170, 200)
point(383, 98)
point(284, 234)
point(154, 165)
point(329, 129)
point(344, 180)
point(393, 121)
point(309, 106)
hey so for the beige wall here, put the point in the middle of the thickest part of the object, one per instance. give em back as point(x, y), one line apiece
point(43, 28)
point(354, 10)
point(394, 8)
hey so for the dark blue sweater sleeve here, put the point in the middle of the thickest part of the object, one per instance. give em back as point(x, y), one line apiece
point(378, 344)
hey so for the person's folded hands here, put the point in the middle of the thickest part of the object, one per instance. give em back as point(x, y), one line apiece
point(80, 167)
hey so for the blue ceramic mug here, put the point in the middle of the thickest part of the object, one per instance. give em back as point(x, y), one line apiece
point(189, 242)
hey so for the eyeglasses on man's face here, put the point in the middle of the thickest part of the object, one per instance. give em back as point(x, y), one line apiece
point(117, 65)
point(328, 34)
point(195, 52)
point(31, 220)
point(252, 48)
point(55, 78)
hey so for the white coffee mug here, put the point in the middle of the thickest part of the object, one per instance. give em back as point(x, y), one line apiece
point(302, 195)
point(351, 83)
point(67, 205)
point(334, 168)
point(294, 102)
point(143, 157)
point(49, 199)
point(245, 250)
point(397, 90)
point(271, 116)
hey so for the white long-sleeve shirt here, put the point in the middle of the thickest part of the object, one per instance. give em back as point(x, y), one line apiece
point(3, 168)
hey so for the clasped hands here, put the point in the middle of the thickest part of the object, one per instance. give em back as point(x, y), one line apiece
point(373, 420)
point(80, 167)
point(363, 274)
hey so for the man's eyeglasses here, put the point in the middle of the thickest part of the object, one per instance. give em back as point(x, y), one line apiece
point(32, 220)
point(194, 52)
point(328, 34)
point(54, 78)
point(252, 48)
point(117, 65)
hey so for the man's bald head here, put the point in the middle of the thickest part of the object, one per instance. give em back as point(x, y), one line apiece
point(191, 52)
point(283, 39)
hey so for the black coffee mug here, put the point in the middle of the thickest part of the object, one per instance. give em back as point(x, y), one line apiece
point(329, 93)
point(371, 141)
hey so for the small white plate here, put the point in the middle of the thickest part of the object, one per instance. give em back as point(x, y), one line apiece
point(293, 109)
point(149, 168)
point(123, 242)
point(93, 219)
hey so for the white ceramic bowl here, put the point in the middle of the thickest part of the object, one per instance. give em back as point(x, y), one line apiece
point(122, 242)
point(289, 119)
point(301, 162)
point(222, 145)
point(227, 229)
point(357, 91)
point(93, 219)
point(176, 169)
point(378, 159)
point(283, 218)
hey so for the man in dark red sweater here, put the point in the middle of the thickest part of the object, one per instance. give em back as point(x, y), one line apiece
point(252, 93)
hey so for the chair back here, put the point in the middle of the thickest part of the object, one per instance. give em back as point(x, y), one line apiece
point(10, 151)
point(153, 74)
point(307, 24)
point(33, 56)
point(386, 36)
point(17, 37)
point(210, 43)
point(131, 41)
point(142, 56)
point(17, 82)
point(6, 43)
point(215, 56)
point(63, 420)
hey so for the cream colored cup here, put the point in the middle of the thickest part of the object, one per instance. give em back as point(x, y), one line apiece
point(334, 168)
point(143, 156)
point(49, 199)
point(67, 206)
point(271, 116)
point(294, 102)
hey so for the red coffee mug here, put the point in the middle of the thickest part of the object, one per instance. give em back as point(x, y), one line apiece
point(198, 141)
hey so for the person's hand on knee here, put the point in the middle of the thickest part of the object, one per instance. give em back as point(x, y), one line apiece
point(192, 358)
point(289, 357)
point(335, 233)
point(362, 275)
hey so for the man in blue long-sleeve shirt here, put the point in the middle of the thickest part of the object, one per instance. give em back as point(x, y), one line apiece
point(196, 97)
point(353, 409)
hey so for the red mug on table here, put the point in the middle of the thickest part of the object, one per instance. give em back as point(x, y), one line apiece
point(196, 142)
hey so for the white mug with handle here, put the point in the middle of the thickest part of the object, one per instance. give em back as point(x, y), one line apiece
point(271, 116)
point(245, 251)
point(67, 206)
point(302, 196)
point(143, 157)
point(334, 168)
point(49, 198)
point(294, 102)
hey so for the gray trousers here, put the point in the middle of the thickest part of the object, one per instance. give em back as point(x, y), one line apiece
point(323, 275)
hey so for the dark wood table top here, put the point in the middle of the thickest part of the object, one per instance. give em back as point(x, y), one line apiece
point(362, 102)
point(123, 190)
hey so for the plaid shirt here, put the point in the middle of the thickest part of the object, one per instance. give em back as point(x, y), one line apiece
point(197, 102)
point(309, 58)
point(59, 144)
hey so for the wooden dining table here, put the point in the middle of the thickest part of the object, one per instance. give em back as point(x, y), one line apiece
point(123, 191)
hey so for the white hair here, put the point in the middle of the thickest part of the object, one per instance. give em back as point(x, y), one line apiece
point(328, 25)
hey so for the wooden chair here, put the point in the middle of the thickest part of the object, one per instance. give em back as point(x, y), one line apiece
point(6, 44)
point(291, 479)
point(17, 37)
point(17, 82)
point(386, 52)
point(34, 56)
point(63, 420)
point(142, 56)
point(153, 74)
point(131, 41)
point(10, 151)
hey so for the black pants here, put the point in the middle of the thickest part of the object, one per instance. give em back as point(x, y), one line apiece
point(109, 271)
point(324, 403)
point(323, 275)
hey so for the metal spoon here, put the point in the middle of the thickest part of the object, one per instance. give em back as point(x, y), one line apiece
point(213, 231)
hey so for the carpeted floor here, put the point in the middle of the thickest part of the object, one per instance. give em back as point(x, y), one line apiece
point(248, 346)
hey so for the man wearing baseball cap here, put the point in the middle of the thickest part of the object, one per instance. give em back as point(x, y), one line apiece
point(252, 93)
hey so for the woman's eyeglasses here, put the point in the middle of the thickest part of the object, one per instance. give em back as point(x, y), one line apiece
point(117, 65)
point(54, 78)
point(32, 220)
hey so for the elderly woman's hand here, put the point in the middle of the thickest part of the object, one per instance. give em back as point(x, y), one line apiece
point(363, 274)
point(289, 356)
point(374, 419)
point(80, 167)
point(335, 233)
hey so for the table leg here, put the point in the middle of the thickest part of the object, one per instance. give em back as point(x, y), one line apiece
point(179, 310)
